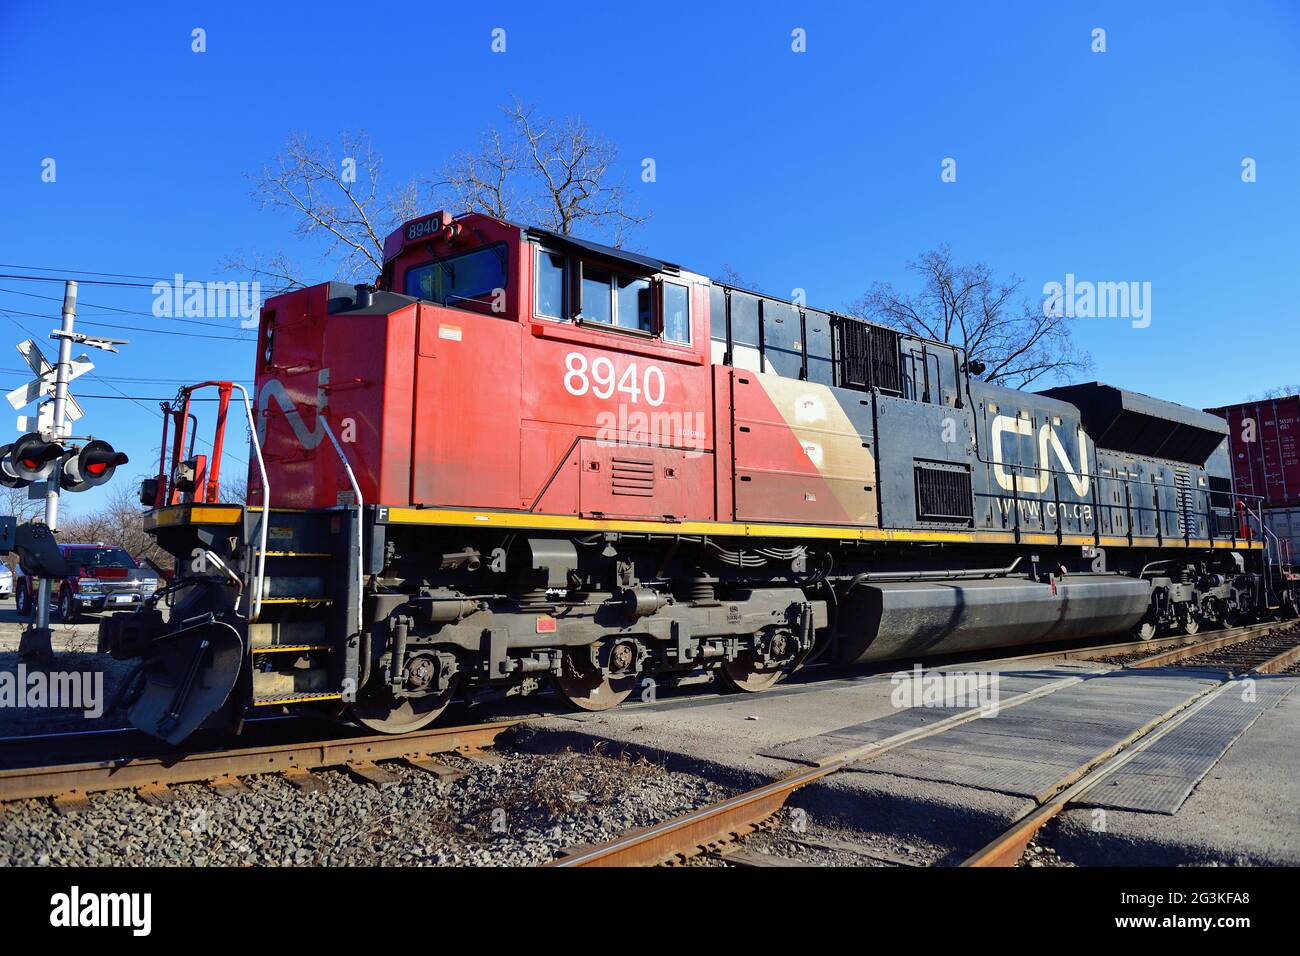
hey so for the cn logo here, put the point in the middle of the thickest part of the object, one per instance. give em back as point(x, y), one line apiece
point(1049, 445)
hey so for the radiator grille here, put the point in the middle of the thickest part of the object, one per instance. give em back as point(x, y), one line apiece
point(1186, 508)
point(868, 357)
point(943, 494)
point(632, 476)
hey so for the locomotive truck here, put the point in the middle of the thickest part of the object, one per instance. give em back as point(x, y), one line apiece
point(520, 458)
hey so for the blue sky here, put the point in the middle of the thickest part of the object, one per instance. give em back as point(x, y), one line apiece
point(818, 170)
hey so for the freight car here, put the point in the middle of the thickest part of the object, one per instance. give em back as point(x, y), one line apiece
point(1264, 447)
point(522, 458)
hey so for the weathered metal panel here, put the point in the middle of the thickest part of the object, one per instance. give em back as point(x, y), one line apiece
point(817, 346)
point(1264, 440)
point(782, 339)
point(798, 454)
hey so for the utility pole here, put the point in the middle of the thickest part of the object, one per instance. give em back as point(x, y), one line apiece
point(37, 642)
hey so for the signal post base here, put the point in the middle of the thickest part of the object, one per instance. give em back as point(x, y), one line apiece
point(34, 646)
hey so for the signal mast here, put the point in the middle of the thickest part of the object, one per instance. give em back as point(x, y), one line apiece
point(45, 461)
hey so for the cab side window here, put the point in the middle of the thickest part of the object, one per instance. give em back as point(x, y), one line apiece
point(572, 289)
point(597, 302)
point(552, 291)
point(632, 304)
point(677, 313)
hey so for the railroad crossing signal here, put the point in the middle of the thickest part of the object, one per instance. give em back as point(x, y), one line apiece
point(42, 387)
point(34, 459)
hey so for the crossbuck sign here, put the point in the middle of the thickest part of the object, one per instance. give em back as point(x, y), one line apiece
point(41, 389)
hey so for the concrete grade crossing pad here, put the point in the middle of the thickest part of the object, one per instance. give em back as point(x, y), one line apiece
point(961, 787)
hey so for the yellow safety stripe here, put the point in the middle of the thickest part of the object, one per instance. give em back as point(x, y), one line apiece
point(525, 521)
point(230, 514)
point(174, 515)
point(282, 648)
point(299, 699)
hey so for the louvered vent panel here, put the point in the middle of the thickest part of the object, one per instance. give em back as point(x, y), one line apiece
point(1187, 523)
point(632, 476)
point(868, 357)
point(943, 494)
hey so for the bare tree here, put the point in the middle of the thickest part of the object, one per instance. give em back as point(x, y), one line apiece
point(116, 523)
point(334, 194)
point(550, 172)
point(734, 278)
point(969, 306)
point(1277, 391)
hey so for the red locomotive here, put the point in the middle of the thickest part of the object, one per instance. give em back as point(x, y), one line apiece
point(523, 458)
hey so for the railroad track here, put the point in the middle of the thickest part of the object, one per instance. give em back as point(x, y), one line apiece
point(712, 828)
point(719, 826)
point(1264, 652)
point(69, 785)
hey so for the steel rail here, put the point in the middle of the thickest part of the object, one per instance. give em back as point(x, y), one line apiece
point(1124, 648)
point(684, 835)
point(1226, 639)
point(1279, 663)
point(725, 820)
point(126, 773)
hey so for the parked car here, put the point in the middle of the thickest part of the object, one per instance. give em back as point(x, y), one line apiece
point(100, 578)
point(6, 581)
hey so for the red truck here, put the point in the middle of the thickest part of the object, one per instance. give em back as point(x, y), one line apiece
point(100, 578)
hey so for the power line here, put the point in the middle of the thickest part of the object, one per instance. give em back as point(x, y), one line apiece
point(141, 398)
point(114, 275)
point(138, 379)
point(94, 305)
point(117, 283)
point(140, 328)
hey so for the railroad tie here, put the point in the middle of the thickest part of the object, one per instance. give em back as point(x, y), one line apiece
point(303, 780)
point(428, 764)
point(156, 793)
point(371, 772)
point(227, 785)
point(70, 801)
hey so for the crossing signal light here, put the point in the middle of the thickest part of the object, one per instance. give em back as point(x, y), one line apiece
point(8, 478)
point(93, 465)
point(31, 457)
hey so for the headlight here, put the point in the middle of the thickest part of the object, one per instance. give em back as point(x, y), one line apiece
point(88, 586)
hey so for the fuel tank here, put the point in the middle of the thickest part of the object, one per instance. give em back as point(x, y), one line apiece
point(895, 619)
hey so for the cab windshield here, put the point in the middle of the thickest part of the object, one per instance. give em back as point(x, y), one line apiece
point(460, 278)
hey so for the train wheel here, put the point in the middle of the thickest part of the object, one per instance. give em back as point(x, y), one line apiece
point(748, 673)
point(1191, 623)
point(381, 712)
point(581, 683)
point(1146, 630)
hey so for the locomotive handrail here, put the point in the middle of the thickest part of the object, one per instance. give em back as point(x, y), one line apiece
point(266, 502)
point(356, 490)
point(215, 469)
point(1095, 478)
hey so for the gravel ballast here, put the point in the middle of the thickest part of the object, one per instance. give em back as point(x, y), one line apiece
point(518, 811)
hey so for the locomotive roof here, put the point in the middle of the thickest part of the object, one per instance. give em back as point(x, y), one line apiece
point(558, 239)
